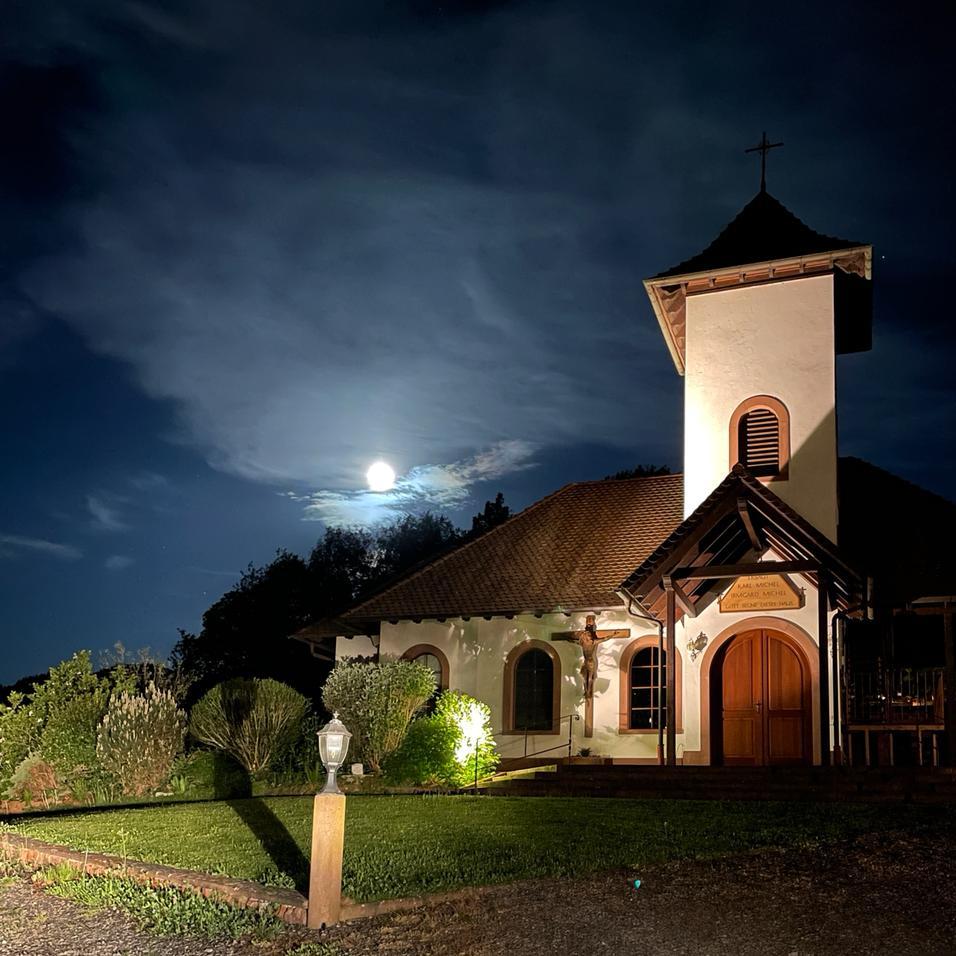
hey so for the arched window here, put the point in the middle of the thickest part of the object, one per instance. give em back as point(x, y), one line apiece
point(534, 679)
point(436, 662)
point(647, 707)
point(760, 437)
point(532, 689)
point(644, 688)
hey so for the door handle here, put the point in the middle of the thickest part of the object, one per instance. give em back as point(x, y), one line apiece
point(757, 705)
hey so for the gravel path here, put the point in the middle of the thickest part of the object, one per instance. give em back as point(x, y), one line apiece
point(888, 893)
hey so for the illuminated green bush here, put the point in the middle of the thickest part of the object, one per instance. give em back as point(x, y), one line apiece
point(443, 748)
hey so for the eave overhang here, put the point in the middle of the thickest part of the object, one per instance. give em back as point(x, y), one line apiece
point(668, 294)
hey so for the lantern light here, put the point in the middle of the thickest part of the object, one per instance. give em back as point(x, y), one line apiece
point(334, 740)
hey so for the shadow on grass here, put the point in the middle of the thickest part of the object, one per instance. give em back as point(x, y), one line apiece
point(233, 785)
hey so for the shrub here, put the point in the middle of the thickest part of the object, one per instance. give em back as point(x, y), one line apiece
point(299, 756)
point(426, 755)
point(441, 748)
point(139, 738)
point(377, 702)
point(33, 778)
point(212, 773)
point(248, 719)
point(68, 740)
point(58, 721)
point(70, 703)
point(20, 730)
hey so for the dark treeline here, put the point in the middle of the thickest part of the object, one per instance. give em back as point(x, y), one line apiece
point(246, 632)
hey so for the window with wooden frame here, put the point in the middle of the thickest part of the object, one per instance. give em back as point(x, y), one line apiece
point(760, 437)
point(435, 660)
point(644, 688)
point(532, 689)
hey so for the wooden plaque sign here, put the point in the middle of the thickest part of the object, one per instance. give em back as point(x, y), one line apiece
point(762, 592)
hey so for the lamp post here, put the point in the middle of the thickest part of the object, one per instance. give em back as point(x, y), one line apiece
point(328, 830)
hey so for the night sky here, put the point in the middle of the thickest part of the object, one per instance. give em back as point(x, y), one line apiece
point(248, 248)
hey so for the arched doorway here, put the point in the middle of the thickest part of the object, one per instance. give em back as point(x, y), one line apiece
point(761, 702)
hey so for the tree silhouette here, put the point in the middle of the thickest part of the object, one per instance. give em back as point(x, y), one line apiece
point(493, 514)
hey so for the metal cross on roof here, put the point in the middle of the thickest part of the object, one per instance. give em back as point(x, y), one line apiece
point(763, 147)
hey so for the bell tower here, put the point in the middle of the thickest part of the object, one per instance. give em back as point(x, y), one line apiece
point(754, 324)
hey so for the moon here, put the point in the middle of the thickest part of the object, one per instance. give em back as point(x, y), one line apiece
point(380, 476)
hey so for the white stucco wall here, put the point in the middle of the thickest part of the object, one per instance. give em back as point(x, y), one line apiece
point(477, 649)
point(773, 339)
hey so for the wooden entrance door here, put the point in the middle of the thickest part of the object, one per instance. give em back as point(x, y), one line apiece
point(764, 701)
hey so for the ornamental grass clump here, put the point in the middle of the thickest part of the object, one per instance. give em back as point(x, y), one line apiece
point(251, 720)
point(140, 738)
point(377, 702)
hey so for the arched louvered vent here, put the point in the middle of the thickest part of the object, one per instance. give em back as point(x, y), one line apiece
point(758, 441)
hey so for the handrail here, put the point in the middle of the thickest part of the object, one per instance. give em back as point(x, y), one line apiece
point(570, 744)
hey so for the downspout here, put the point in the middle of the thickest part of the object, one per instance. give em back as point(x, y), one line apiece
point(660, 668)
point(836, 627)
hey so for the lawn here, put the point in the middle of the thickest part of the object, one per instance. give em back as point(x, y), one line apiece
point(398, 846)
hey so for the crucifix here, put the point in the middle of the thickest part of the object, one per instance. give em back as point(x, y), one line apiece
point(763, 147)
point(588, 641)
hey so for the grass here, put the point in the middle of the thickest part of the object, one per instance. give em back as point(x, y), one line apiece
point(398, 846)
point(164, 910)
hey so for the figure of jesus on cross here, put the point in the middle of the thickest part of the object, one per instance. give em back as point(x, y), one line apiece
point(588, 640)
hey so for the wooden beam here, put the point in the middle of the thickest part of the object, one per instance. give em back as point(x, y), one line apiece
point(671, 681)
point(696, 536)
point(745, 570)
point(743, 510)
point(681, 596)
point(822, 608)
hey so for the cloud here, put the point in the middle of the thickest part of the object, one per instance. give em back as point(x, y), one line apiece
point(13, 545)
point(117, 562)
point(346, 246)
point(106, 516)
point(315, 286)
point(421, 488)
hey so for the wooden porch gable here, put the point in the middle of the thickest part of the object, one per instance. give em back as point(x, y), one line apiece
point(726, 538)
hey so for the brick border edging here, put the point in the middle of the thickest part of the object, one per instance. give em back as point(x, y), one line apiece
point(289, 906)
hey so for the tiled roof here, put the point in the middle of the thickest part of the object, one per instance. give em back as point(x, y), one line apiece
point(762, 231)
point(569, 550)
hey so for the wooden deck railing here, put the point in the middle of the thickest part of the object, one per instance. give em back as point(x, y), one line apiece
point(905, 695)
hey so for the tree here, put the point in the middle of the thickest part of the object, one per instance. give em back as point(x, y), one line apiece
point(494, 513)
point(641, 471)
point(409, 541)
point(341, 567)
point(246, 632)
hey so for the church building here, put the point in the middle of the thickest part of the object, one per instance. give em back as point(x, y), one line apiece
point(700, 618)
